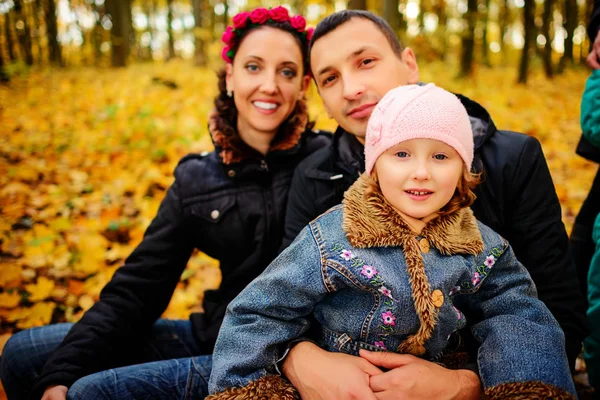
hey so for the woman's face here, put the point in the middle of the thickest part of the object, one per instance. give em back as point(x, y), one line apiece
point(267, 80)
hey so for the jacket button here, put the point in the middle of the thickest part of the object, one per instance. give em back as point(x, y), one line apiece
point(424, 245)
point(231, 173)
point(438, 298)
point(214, 214)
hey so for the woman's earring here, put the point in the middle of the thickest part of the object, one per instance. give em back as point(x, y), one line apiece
point(229, 93)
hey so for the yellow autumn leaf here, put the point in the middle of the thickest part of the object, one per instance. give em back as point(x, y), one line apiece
point(9, 300)
point(37, 315)
point(41, 290)
point(92, 247)
point(10, 272)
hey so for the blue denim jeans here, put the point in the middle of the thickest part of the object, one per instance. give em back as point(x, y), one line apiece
point(169, 367)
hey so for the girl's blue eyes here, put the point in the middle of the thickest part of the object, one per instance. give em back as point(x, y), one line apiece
point(404, 154)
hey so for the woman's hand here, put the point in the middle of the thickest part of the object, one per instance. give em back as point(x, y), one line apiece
point(318, 374)
point(55, 393)
point(411, 377)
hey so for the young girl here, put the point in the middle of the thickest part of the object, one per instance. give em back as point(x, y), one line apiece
point(228, 203)
point(399, 266)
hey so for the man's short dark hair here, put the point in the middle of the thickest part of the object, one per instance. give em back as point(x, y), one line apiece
point(336, 19)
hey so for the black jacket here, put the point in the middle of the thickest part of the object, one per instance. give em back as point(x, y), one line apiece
point(517, 199)
point(234, 213)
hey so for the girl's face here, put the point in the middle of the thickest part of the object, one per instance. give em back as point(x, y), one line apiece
point(419, 176)
point(267, 80)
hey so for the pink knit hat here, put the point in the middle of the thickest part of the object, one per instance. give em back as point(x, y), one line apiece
point(418, 112)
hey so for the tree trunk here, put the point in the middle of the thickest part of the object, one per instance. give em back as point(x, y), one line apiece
point(121, 28)
point(468, 40)
point(23, 34)
point(357, 4)
point(170, 30)
point(440, 10)
point(96, 34)
point(9, 37)
point(199, 52)
point(3, 75)
point(391, 14)
point(226, 13)
point(529, 24)
point(54, 51)
point(570, 24)
point(547, 22)
point(485, 46)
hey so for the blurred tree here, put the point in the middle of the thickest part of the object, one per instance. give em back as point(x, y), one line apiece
point(23, 32)
point(546, 25)
point(485, 45)
point(3, 75)
point(570, 23)
point(357, 4)
point(199, 50)
point(97, 32)
point(54, 51)
point(503, 22)
point(226, 13)
point(171, 53)
point(439, 8)
point(529, 39)
point(120, 13)
point(468, 40)
point(391, 14)
point(9, 37)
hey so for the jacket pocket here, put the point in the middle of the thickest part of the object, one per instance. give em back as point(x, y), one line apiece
point(214, 209)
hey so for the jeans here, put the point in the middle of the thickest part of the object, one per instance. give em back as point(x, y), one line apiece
point(169, 368)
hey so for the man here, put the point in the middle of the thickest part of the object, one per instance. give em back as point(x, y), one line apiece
point(355, 60)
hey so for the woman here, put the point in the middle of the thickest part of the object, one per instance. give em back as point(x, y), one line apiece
point(228, 204)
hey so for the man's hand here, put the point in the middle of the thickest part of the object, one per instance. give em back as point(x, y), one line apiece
point(593, 59)
point(318, 374)
point(411, 377)
point(55, 393)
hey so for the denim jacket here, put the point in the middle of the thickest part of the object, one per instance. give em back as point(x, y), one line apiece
point(370, 282)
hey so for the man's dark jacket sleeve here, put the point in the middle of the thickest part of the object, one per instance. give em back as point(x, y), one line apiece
point(533, 226)
point(129, 304)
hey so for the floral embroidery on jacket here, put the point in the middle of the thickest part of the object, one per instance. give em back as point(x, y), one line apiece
point(480, 273)
point(371, 273)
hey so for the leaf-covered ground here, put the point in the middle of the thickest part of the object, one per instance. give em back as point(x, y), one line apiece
point(86, 156)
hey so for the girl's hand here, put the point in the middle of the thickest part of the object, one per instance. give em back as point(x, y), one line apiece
point(319, 375)
point(55, 393)
point(410, 377)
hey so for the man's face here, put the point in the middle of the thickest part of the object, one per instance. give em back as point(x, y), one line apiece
point(354, 67)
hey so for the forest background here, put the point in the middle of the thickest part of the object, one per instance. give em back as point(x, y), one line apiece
point(99, 99)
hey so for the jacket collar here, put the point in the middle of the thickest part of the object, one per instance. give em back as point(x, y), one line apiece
point(370, 221)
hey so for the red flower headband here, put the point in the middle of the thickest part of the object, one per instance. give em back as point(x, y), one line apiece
point(260, 16)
